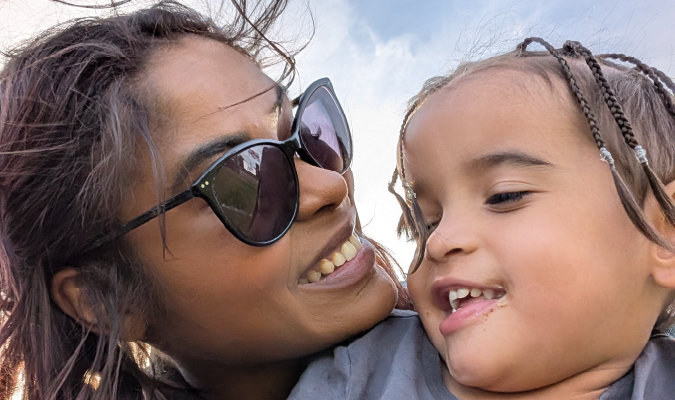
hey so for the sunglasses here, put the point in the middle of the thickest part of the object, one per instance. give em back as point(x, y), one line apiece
point(253, 188)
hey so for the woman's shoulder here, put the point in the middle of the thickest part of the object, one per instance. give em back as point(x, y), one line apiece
point(393, 360)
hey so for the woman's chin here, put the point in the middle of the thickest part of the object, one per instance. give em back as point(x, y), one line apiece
point(373, 304)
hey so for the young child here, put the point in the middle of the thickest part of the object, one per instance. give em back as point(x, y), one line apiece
point(538, 186)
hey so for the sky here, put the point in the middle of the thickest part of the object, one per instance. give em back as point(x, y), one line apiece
point(378, 53)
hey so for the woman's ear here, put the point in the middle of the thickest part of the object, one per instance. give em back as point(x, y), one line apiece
point(68, 295)
point(663, 269)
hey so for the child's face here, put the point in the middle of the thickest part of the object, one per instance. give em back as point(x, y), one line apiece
point(523, 206)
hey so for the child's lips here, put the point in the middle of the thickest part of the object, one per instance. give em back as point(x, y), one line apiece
point(463, 301)
point(469, 312)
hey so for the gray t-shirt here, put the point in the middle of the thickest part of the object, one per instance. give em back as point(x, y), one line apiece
point(395, 360)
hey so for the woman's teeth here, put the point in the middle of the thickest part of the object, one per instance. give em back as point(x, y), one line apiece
point(326, 267)
point(456, 296)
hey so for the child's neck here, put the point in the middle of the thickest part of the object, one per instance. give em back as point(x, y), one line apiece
point(587, 385)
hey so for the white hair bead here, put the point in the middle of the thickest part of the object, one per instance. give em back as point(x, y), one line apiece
point(641, 154)
point(607, 156)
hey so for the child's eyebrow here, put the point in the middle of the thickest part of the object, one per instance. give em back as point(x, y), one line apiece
point(514, 158)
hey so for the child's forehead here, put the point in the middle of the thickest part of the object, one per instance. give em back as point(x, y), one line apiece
point(485, 115)
point(507, 97)
point(507, 84)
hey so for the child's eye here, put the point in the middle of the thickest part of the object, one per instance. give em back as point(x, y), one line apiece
point(432, 225)
point(506, 198)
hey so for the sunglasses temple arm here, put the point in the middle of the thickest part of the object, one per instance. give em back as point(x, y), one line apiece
point(147, 216)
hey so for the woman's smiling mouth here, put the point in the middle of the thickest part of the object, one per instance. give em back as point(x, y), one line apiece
point(345, 253)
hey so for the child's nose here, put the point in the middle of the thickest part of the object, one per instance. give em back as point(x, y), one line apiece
point(320, 190)
point(450, 238)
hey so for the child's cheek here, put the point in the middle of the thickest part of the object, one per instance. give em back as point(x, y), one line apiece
point(419, 287)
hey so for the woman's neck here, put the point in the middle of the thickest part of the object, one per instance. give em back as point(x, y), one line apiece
point(588, 385)
point(269, 381)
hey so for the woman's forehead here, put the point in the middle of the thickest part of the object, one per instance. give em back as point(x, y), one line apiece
point(203, 91)
point(200, 75)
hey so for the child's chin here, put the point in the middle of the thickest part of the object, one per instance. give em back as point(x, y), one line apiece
point(472, 375)
point(486, 376)
point(483, 373)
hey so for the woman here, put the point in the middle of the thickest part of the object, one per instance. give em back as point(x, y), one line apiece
point(157, 197)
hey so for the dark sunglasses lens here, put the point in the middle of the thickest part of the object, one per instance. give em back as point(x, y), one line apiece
point(257, 191)
point(324, 131)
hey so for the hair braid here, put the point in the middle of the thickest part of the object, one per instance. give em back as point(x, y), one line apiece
point(615, 108)
point(592, 121)
point(413, 107)
point(628, 200)
point(656, 76)
point(607, 92)
point(412, 216)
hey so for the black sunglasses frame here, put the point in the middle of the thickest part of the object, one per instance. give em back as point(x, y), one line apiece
point(289, 147)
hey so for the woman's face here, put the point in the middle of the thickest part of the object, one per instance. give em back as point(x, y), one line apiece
point(224, 301)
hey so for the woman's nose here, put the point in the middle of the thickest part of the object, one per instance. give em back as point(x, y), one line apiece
point(450, 238)
point(320, 190)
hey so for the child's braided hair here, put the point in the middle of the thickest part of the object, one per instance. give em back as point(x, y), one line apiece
point(645, 92)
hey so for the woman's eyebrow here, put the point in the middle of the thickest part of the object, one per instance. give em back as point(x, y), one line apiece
point(514, 158)
point(207, 151)
point(222, 144)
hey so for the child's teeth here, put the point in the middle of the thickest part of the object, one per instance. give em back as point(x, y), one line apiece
point(355, 242)
point(452, 295)
point(338, 259)
point(326, 266)
point(303, 281)
point(348, 250)
point(314, 276)
point(455, 296)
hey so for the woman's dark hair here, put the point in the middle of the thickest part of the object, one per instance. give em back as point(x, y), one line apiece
point(631, 118)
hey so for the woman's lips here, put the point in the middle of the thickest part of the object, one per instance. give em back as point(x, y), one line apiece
point(349, 273)
point(346, 252)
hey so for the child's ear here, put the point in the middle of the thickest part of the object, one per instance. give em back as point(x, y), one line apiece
point(663, 269)
point(68, 295)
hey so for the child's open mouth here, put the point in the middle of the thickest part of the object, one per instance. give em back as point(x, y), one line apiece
point(462, 297)
point(464, 303)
